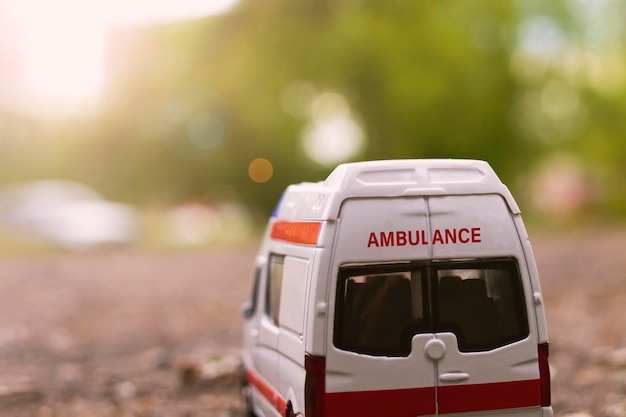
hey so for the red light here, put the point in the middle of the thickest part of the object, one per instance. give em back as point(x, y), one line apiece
point(296, 232)
point(544, 375)
point(314, 385)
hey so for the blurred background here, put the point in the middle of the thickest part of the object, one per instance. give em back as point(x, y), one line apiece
point(197, 114)
point(170, 128)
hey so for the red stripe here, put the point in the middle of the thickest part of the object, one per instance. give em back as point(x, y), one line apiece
point(421, 401)
point(296, 232)
point(275, 399)
point(483, 397)
point(388, 403)
point(417, 401)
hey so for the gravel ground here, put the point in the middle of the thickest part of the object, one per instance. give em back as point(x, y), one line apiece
point(136, 333)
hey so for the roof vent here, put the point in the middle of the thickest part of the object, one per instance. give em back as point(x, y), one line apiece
point(387, 176)
point(454, 175)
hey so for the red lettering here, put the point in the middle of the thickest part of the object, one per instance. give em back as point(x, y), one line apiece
point(450, 236)
point(418, 237)
point(386, 239)
point(437, 238)
point(461, 238)
point(476, 235)
point(400, 238)
point(372, 240)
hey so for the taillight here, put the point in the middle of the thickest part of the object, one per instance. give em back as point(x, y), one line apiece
point(544, 375)
point(314, 385)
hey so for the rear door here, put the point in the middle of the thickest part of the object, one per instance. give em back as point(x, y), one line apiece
point(430, 313)
point(374, 365)
point(483, 309)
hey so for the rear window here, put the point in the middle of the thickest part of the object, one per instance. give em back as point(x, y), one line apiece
point(381, 307)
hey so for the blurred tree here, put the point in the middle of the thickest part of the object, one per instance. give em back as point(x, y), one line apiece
point(424, 79)
point(190, 105)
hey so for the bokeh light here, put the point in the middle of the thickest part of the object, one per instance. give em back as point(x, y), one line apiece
point(205, 130)
point(541, 37)
point(561, 186)
point(195, 122)
point(260, 170)
point(334, 136)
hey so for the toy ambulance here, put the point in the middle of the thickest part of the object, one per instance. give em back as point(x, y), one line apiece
point(397, 288)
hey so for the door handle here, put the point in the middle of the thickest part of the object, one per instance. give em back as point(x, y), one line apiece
point(453, 377)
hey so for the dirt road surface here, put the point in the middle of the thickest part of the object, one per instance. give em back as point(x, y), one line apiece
point(137, 333)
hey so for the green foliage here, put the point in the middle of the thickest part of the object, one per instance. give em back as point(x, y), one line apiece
point(424, 79)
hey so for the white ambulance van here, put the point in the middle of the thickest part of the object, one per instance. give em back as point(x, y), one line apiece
point(397, 288)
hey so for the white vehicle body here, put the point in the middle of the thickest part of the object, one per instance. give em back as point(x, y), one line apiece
point(397, 289)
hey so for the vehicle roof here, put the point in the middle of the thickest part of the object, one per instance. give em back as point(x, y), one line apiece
point(390, 178)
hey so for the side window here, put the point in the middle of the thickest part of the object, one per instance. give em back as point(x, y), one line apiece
point(252, 305)
point(274, 285)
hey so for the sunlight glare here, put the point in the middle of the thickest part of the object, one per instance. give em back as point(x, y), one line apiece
point(60, 45)
point(62, 55)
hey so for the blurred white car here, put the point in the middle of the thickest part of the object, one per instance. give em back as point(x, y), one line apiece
point(67, 214)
